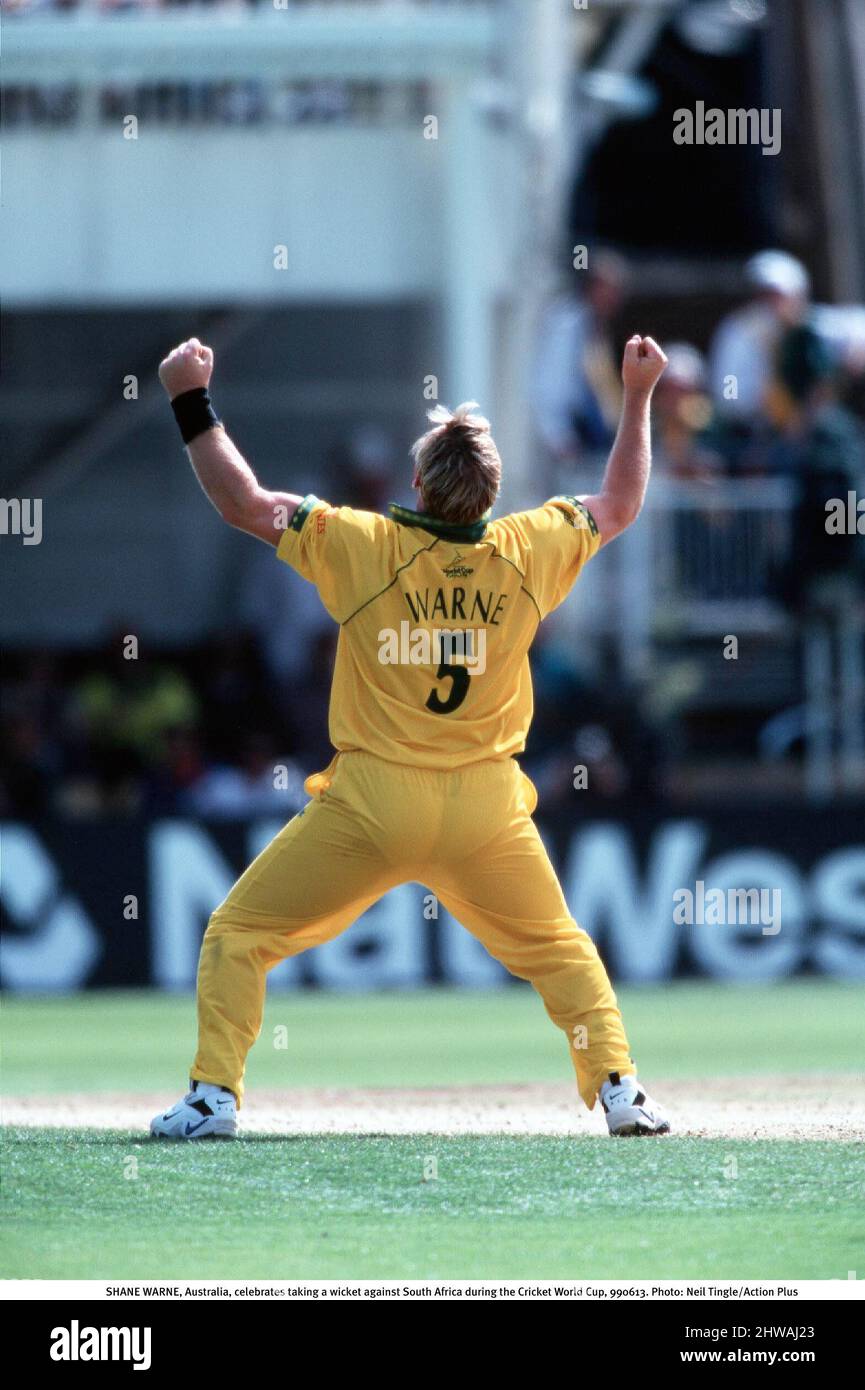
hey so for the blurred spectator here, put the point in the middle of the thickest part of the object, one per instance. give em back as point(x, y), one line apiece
point(31, 764)
point(119, 737)
point(818, 446)
point(118, 718)
point(743, 347)
point(589, 741)
point(36, 691)
point(842, 328)
point(577, 386)
point(32, 758)
point(690, 445)
point(178, 767)
point(261, 785)
point(235, 690)
point(686, 441)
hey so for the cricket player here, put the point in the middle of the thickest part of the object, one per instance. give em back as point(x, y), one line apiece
point(430, 707)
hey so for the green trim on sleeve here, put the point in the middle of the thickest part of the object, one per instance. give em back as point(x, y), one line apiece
point(303, 511)
point(580, 507)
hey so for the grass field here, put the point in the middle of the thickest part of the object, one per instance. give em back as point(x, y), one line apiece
point(107, 1203)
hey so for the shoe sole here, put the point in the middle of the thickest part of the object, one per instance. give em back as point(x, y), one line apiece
point(631, 1131)
point(225, 1135)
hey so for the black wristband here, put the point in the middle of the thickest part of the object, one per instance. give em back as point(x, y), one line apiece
point(194, 413)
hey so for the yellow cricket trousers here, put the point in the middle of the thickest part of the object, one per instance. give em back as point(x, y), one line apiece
point(467, 835)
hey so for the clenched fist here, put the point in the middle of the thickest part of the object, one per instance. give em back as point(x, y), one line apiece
point(642, 364)
point(186, 367)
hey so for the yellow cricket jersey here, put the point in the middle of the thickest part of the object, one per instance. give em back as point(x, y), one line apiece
point(436, 621)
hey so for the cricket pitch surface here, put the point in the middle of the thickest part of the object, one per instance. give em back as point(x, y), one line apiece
point(750, 1107)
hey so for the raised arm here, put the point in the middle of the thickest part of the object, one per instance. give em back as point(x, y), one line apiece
point(626, 476)
point(219, 466)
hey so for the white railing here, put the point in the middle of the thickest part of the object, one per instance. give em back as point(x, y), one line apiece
point(376, 42)
point(707, 560)
point(702, 559)
point(716, 552)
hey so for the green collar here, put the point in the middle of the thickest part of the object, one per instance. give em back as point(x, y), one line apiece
point(447, 530)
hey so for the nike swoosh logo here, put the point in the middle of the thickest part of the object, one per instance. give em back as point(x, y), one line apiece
point(225, 1102)
point(190, 1129)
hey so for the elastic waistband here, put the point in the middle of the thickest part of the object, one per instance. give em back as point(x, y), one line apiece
point(504, 771)
point(361, 756)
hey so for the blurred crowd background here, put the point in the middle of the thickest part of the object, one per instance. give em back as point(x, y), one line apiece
point(746, 267)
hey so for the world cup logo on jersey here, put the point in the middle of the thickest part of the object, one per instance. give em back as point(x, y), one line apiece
point(457, 567)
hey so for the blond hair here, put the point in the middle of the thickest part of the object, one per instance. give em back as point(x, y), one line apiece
point(457, 465)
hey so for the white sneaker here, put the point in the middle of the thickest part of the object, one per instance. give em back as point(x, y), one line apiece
point(629, 1110)
point(206, 1112)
